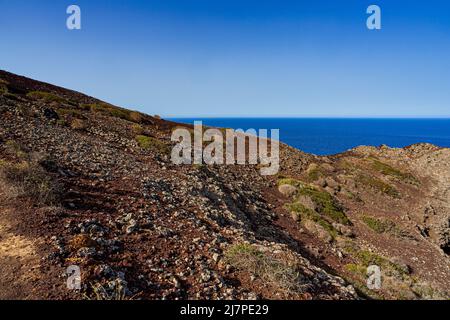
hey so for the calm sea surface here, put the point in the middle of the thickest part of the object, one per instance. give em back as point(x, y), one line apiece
point(331, 136)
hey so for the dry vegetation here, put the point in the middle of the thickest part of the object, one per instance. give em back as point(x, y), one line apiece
point(276, 273)
point(25, 178)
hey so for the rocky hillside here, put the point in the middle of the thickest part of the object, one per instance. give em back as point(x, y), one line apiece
point(86, 183)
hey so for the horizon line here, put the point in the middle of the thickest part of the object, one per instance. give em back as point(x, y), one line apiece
point(431, 117)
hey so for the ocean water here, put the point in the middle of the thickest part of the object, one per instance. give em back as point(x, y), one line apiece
point(334, 135)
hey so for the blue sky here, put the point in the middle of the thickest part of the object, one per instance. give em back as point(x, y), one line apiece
point(239, 57)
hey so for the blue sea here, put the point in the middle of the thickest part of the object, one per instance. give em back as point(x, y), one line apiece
point(334, 135)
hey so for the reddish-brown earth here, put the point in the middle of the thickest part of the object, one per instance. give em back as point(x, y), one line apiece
point(89, 184)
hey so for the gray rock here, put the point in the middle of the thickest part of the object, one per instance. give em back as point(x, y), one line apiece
point(287, 190)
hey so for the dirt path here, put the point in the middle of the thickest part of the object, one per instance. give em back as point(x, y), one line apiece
point(19, 262)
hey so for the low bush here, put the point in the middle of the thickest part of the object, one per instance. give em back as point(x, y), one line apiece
point(15, 149)
point(306, 213)
point(385, 226)
point(379, 185)
point(78, 124)
point(28, 179)
point(113, 111)
point(137, 129)
point(326, 204)
point(150, 143)
point(290, 181)
point(378, 225)
point(135, 117)
point(393, 172)
point(273, 271)
point(3, 89)
point(45, 96)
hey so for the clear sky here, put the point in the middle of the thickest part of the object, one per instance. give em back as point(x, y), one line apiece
point(238, 57)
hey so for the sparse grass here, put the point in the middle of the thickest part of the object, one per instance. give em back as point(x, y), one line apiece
point(378, 185)
point(356, 268)
point(426, 291)
point(306, 213)
point(135, 117)
point(352, 196)
point(367, 258)
point(150, 143)
point(70, 112)
point(273, 271)
point(384, 226)
point(137, 129)
point(314, 172)
point(61, 122)
point(346, 165)
point(15, 149)
point(378, 225)
point(81, 241)
point(78, 124)
point(117, 292)
point(393, 172)
point(326, 204)
point(3, 89)
point(397, 283)
point(290, 181)
point(113, 111)
point(28, 179)
point(45, 96)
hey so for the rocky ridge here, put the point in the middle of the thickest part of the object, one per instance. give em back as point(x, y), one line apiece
point(90, 184)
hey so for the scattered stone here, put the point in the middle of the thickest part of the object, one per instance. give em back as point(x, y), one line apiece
point(287, 190)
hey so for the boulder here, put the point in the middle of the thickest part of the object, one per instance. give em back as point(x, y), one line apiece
point(287, 190)
point(318, 231)
point(307, 202)
point(344, 230)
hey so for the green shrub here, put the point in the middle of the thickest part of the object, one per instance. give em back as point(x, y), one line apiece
point(368, 258)
point(314, 174)
point(70, 112)
point(290, 181)
point(306, 213)
point(378, 225)
point(45, 96)
point(384, 226)
point(326, 204)
point(379, 186)
point(390, 171)
point(356, 268)
point(150, 143)
point(113, 111)
point(137, 129)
